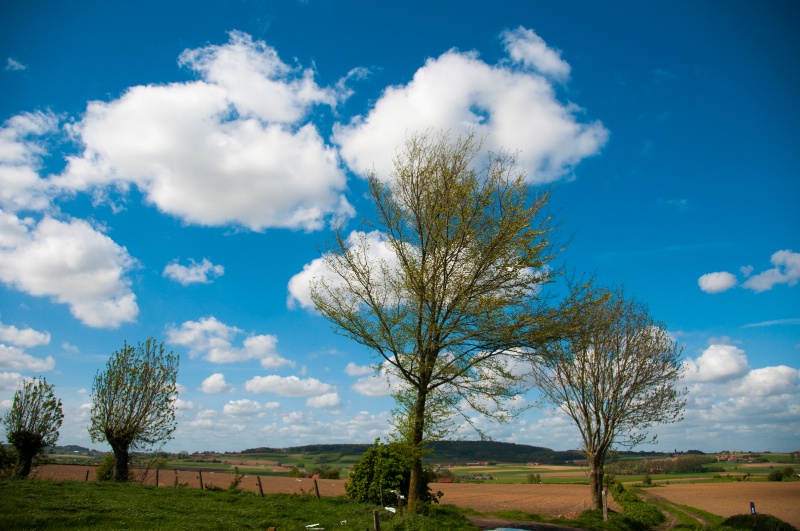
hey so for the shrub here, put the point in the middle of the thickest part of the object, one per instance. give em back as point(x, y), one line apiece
point(775, 475)
point(788, 472)
point(764, 522)
point(8, 460)
point(105, 470)
point(387, 467)
point(534, 478)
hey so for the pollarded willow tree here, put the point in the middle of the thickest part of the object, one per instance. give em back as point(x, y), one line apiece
point(33, 422)
point(133, 401)
point(616, 379)
point(446, 284)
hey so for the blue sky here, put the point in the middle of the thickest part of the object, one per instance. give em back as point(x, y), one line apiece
point(172, 172)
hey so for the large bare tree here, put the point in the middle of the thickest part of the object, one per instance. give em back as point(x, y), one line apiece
point(133, 401)
point(447, 283)
point(616, 378)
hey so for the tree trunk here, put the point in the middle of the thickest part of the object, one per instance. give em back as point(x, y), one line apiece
point(417, 485)
point(596, 480)
point(120, 463)
point(24, 463)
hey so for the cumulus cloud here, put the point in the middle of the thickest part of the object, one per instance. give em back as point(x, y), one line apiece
point(716, 282)
point(786, 271)
point(718, 363)
point(72, 263)
point(326, 401)
point(228, 149)
point(9, 380)
point(513, 108)
point(383, 383)
point(26, 337)
point(287, 386)
point(216, 385)
point(526, 47)
point(372, 243)
point(770, 381)
point(247, 408)
point(358, 370)
point(212, 339)
point(21, 152)
point(194, 273)
point(16, 359)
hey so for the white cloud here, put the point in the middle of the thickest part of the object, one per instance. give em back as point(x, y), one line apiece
point(213, 340)
point(514, 109)
point(242, 408)
point(358, 370)
point(718, 363)
point(383, 383)
point(770, 381)
point(216, 384)
point(26, 337)
point(14, 66)
point(287, 386)
point(9, 380)
point(72, 263)
point(372, 243)
point(716, 282)
point(16, 359)
point(20, 161)
point(326, 401)
point(229, 149)
point(786, 271)
point(526, 47)
point(194, 273)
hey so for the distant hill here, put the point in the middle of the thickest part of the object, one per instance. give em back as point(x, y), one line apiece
point(447, 451)
point(72, 449)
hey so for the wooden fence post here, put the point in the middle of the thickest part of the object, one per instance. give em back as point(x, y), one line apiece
point(260, 490)
point(201, 479)
point(399, 504)
point(376, 520)
point(156, 477)
point(316, 488)
point(87, 474)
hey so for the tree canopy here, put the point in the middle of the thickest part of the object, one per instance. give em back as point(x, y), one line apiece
point(616, 378)
point(446, 284)
point(33, 422)
point(133, 401)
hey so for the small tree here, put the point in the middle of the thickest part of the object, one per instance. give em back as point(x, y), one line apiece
point(32, 423)
point(615, 379)
point(133, 401)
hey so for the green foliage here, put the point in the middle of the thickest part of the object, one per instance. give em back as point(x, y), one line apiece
point(326, 458)
point(387, 467)
point(295, 472)
point(326, 472)
point(764, 522)
point(8, 460)
point(775, 475)
point(788, 472)
point(133, 400)
point(639, 514)
point(32, 423)
point(105, 470)
point(533, 478)
point(237, 479)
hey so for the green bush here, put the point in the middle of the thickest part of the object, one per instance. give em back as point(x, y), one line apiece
point(105, 470)
point(788, 472)
point(764, 522)
point(8, 460)
point(387, 467)
point(775, 475)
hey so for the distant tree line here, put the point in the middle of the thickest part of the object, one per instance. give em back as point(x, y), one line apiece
point(677, 465)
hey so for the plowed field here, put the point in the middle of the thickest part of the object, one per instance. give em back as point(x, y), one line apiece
point(781, 499)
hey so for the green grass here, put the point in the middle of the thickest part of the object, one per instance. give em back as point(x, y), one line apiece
point(38, 504)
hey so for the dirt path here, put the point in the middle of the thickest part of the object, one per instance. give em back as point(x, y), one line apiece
point(669, 510)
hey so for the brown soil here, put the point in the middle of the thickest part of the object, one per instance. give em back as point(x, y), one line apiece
point(780, 499)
